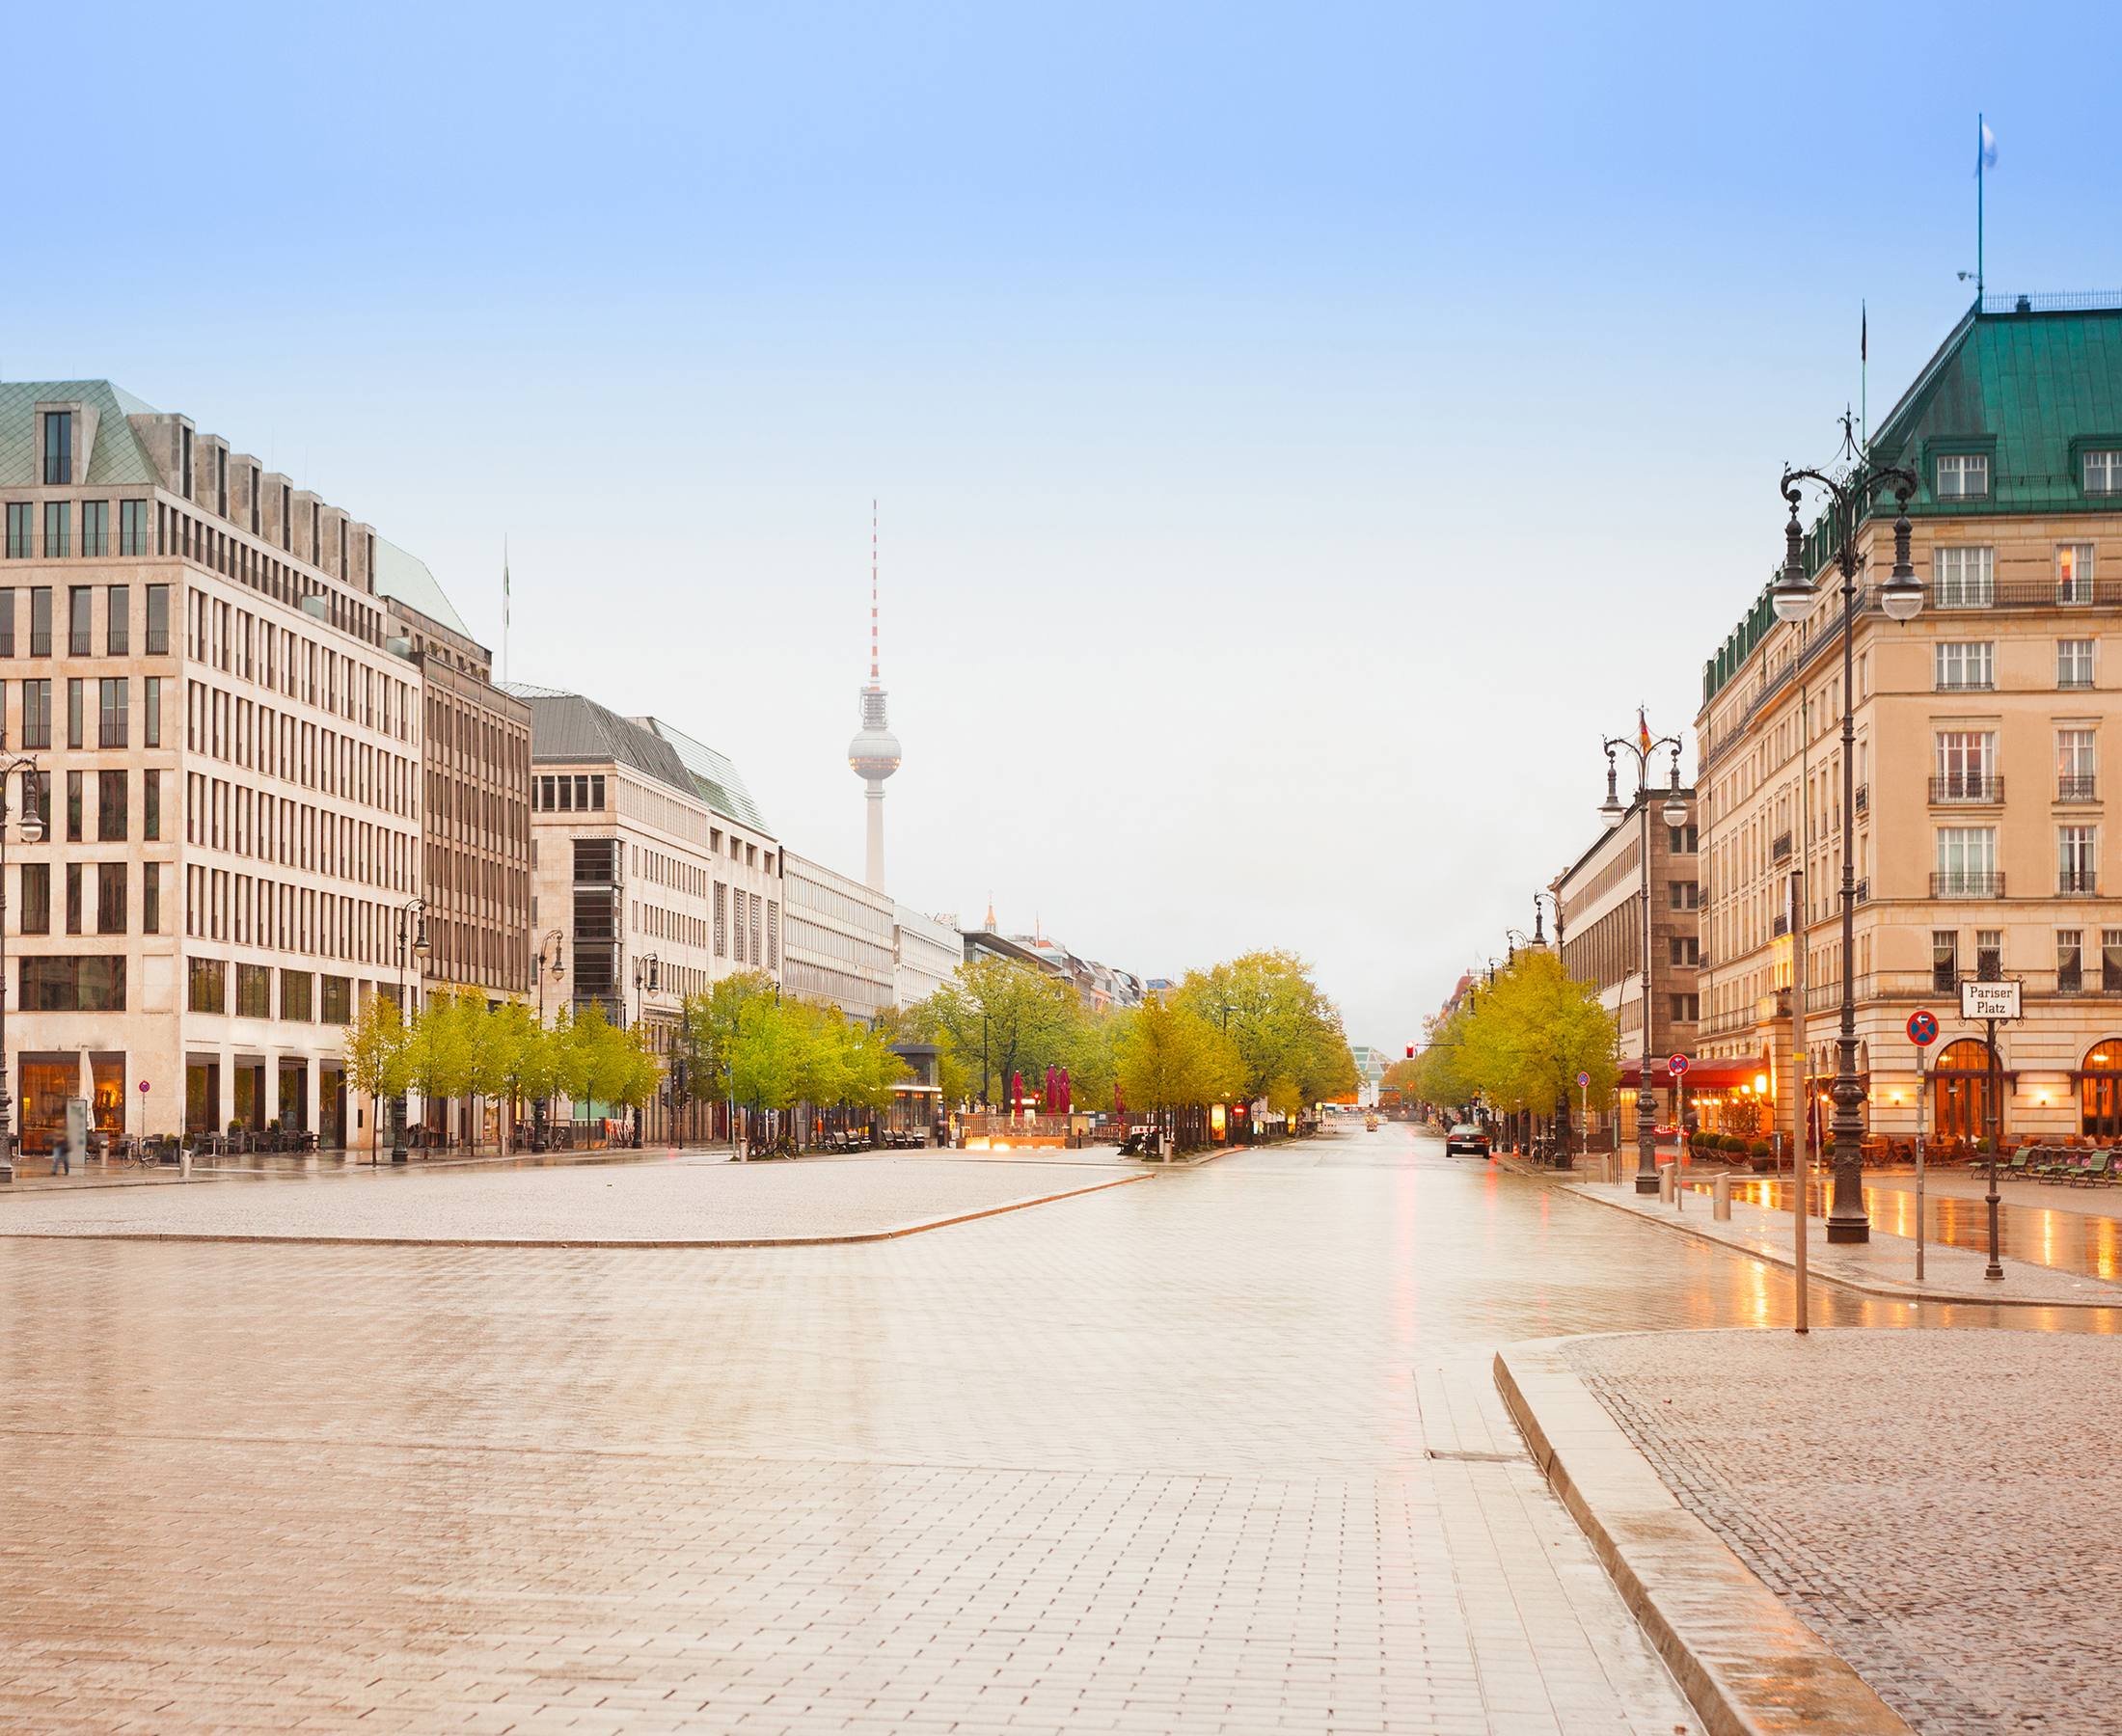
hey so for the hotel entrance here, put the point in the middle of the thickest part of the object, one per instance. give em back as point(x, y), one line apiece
point(2100, 1092)
point(1960, 1091)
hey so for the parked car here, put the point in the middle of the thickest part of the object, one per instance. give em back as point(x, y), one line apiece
point(1466, 1141)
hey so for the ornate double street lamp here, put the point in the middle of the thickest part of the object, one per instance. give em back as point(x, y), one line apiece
point(552, 950)
point(1674, 812)
point(31, 827)
point(1850, 501)
point(411, 939)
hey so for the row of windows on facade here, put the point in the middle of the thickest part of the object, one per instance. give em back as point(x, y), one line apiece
point(112, 894)
point(248, 648)
point(1988, 959)
point(1964, 575)
point(219, 815)
point(470, 742)
point(477, 951)
point(274, 743)
point(81, 612)
point(305, 997)
point(251, 911)
point(112, 708)
point(113, 809)
point(1970, 667)
point(464, 884)
point(478, 818)
point(1966, 475)
point(1966, 861)
point(583, 793)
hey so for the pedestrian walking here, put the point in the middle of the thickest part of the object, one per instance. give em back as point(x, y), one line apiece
point(62, 1157)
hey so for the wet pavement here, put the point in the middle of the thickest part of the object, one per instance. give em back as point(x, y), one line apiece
point(1214, 1451)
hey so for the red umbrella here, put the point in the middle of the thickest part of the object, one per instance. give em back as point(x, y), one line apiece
point(1017, 1091)
point(1064, 1096)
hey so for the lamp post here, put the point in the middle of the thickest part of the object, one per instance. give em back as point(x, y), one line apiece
point(412, 938)
point(32, 826)
point(647, 981)
point(1674, 812)
point(1563, 1134)
point(551, 958)
point(1850, 499)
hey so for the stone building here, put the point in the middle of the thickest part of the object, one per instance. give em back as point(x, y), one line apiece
point(205, 707)
point(1978, 809)
point(839, 938)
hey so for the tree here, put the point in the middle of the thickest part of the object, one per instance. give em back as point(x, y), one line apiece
point(1530, 1032)
point(707, 1031)
point(374, 1047)
point(515, 1058)
point(1169, 1058)
point(1005, 1017)
point(1287, 1033)
point(439, 1052)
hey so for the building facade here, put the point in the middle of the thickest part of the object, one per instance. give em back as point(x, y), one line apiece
point(1979, 807)
point(926, 952)
point(649, 880)
point(838, 938)
point(226, 749)
point(1599, 901)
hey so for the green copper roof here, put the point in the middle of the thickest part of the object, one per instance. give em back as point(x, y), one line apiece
point(2032, 381)
point(407, 578)
point(115, 461)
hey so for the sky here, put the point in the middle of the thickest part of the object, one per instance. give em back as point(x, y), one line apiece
point(1299, 433)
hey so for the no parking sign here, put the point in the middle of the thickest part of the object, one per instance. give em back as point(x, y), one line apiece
point(1922, 1028)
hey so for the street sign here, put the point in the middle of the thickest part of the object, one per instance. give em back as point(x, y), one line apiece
point(142, 1085)
point(1922, 1028)
point(1584, 1078)
point(1979, 999)
point(1678, 1065)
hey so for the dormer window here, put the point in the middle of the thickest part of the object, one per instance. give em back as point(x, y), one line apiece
point(59, 446)
point(2104, 472)
point(1963, 475)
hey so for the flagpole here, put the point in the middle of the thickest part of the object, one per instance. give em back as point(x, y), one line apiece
point(1979, 153)
point(1864, 374)
point(504, 609)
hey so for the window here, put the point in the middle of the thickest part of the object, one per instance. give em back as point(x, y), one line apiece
point(110, 898)
point(96, 528)
point(1967, 767)
point(21, 542)
point(2074, 662)
point(2076, 859)
point(37, 714)
point(1683, 895)
point(41, 620)
point(295, 990)
point(95, 983)
point(2077, 765)
point(151, 898)
point(117, 620)
point(2104, 472)
point(253, 991)
point(1989, 954)
point(73, 807)
point(113, 723)
point(722, 920)
point(110, 807)
point(184, 476)
point(150, 714)
point(6, 623)
point(1964, 578)
point(58, 519)
point(150, 805)
point(1967, 863)
point(1963, 475)
point(1680, 840)
point(132, 527)
point(37, 897)
point(1683, 1009)
point(206, 986)
point(73, 898)
point(1683, 949)
point(158, 620)
point(59, 448)
point(1962, 668)
point(75, 720)
point(2070, 960)
point(2110, 960)
point(2074, 573)
point(338, 1001)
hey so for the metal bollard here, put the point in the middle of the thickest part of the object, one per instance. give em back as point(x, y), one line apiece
point(1722, 1197)
point(1665, 1185)
point(183, 1163)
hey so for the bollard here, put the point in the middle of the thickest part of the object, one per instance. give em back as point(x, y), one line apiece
point(1665, 1185)
point(1722, 1199)
point(183, 1163)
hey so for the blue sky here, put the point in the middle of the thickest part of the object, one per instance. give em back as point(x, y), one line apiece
point(1301, 431)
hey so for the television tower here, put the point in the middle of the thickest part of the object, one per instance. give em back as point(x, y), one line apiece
point(874, 753)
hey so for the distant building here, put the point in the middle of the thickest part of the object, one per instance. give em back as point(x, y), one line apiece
point(838, 941)
point(926, 952)
point(1371, 1066)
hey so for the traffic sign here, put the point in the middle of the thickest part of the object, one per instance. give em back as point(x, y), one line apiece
point(1922, 1028)
point(1982, 999)
point(1678, 1065)
point(143, 1084)
point(1585, 1080)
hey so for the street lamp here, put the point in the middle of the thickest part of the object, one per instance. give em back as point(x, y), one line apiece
point(1674, 812)
point(1850, 499)
point(412, 938)
point(647, 981)
point(31, 827)
point(552, 955)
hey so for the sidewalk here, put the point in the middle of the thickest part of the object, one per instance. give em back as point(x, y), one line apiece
point(33, 1174)
point(1883, 1266)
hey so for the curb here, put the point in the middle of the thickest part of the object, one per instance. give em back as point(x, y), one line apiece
point(1746, 1665)
point(509, 1241)
point(1821, 1275)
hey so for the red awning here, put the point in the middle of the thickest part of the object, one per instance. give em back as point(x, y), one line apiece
point(1725, 1075)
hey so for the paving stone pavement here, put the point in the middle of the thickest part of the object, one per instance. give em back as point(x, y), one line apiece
point(1214, 1452)
point(678, 1198)
point(1933, 1504)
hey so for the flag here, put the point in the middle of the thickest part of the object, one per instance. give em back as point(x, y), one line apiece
point(1642, 731)
point(1985, 156)
point(1864, 332)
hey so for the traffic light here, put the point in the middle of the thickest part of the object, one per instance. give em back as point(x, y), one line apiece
point(1410, 1051)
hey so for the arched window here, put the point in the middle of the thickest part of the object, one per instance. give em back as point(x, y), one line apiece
point(2100, 1090)
point(1960, 1091)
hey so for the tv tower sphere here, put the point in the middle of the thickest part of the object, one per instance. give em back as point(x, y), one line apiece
point(873, 755)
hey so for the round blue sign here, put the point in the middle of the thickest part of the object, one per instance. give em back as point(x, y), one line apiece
point(1922, 1028)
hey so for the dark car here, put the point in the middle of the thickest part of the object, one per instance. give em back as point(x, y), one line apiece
point(1466, 1141)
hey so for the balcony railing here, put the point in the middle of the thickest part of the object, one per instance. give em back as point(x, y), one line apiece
point(1863, 889)
point(1863, 798)
point(2077, 787)
point(1967, 786)
point(1944, 979)
point(1967, 883)
point(2070, 982)
point(2083, 881)
point(1779, 849)
point(1780, 926)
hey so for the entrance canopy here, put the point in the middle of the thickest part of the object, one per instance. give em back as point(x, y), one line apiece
point(1727, 1074)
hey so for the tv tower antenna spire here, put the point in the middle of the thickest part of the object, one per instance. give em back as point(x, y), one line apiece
point(874, 754)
